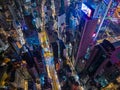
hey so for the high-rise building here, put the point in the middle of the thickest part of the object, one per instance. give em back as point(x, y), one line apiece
point(99, 55)
point(107, 74)
point(87, 31)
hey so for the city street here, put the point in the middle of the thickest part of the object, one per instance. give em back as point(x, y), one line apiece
point(59, 44)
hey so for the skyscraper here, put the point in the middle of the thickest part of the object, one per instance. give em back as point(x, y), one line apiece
point(99, 55)
point(87, 32)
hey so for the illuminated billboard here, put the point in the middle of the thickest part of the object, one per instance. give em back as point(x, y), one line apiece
point(87, 10)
